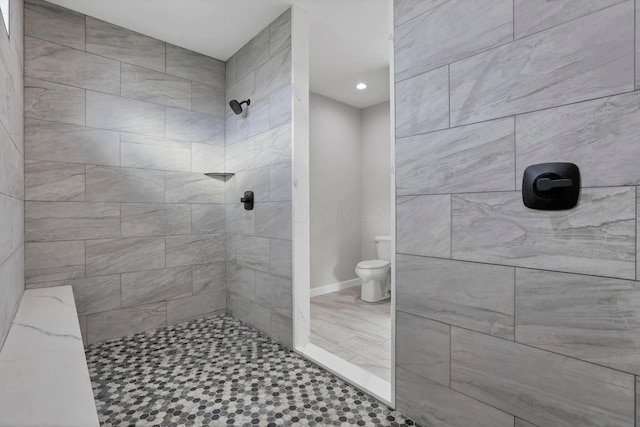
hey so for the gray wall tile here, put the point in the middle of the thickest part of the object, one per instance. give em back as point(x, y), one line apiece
point(208, 278)
point(50, 141)
point(561, 65)
point(155, 219)
point(128, 321)
point(274, 293)
point(432, 239)
point(50, 261)
point(194, 127)
point(238, 220)
point(196, 249)
point(249, 312)
point(54, 181)
point(207, 158)
point(126, 115)
point(414, 116)
point(145, 287)
point(490, 370)
point(124, 184)
point(281, 258)
point(532, 16)
point(207, 219)
point(256, 180)
point(195, 307)
point(273, 74)
point(422, 347)
point(280, 178)
point(522, 423)
point(240, 156)
point(241, 281)
point(96, 294)
point(255, 122)
point(253, 252)
point(139, 151)
point(273, 219)
point(208, 99)
point(280, 33)
point(47, 221)
point(280, 107)
point(281, 329)
point(273, 147)
point(124, 45)
point(253, 54)
point(404, 10)
point(152, 86)
point(184, 187)
point(434, 405)
point(11, 167)
point(53, 102)
point(230, 71)
point(580, 133)
point(473, 296)
point(108, 256)
point(194, 66)
point(82, 320)
point(12, 273)
point(53, 23)
point(434, 39)
point(589, 318)
point(12, 235)
point(60, 64)
point(597, 237)
point(637, 46)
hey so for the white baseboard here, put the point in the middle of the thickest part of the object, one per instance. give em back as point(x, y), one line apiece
point(333, 287)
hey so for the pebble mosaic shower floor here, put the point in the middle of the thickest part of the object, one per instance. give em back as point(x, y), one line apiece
point(220, 372)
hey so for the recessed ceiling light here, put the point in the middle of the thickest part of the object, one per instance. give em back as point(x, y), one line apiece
point(361, 86)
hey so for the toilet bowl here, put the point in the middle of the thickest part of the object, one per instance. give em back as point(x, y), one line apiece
point(375, 273)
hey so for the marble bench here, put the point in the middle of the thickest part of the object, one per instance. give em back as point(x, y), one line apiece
point(44, 379)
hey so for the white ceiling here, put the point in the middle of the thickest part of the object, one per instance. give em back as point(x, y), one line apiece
point(349, 39)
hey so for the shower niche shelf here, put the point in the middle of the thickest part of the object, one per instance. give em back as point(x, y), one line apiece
point(223, 175)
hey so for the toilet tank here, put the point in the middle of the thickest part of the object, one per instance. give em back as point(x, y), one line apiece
point(383, 247)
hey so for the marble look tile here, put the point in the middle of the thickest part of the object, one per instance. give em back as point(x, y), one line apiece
point(139, 151)
point(83, 329)
point(280, 33)
point(422, 103)
point(551, 68)
point(208, 278)
point(11, 167)
point(274, 293)
point(433, 39)
point(194, 127)
point(208, 99)
point(145, 287)
point(252, 252)
point(152, 86)
point(458, 160)
point(433, 235)
point(12, 225)
point(553, 390)
point(124, 184)
point(96, 294)
point(372, 367)
point(240, 156)
point(128, 321)
point(207, 219)
point(231, 240)
point(596, 238)
point(280, 182)
point(600, 136)
point(155, 219)
point(50, 261)
point(537, 15)
point(241, 90)
point(194, 66)
point(53, 181)
point(273, 147)
point(53, 102)
point(57, 142)
point(184, 187)
point(50, 22)
point(281, 329)
point(47, 221)
point(637, 46)
point(273, 74)
point(256, 180)
point(434, 405)
point(523, 423)
point(125, 115)
point(238, 220)
point(280, 107)
point(273, 220)
point(207, 158)
point(196, 307)
point(60, 64)
point(12, 273)
point(405, 10)
point(249, 312)
point(567, 314)
point(241, 281)
point(109, 256)
point(255, 122)
point(422, 347)
point(253, 54)
point(281, 258)
point(473, 296)
point(230, 71)
point(124, 45)
point(192, 250)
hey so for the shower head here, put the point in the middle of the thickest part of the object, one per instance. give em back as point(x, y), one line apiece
point(237, 106)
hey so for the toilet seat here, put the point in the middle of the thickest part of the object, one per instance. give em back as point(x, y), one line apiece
point(373, 264)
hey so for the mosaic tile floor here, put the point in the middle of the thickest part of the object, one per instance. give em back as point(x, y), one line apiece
point(220, 372)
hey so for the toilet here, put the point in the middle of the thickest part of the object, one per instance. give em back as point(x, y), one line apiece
point(375, 273)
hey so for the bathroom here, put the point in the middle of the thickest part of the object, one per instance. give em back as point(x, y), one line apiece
point(503, 315)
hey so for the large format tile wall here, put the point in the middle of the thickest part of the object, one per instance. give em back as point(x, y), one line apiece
point(508, 315)
point(258, 151)
point(11, 168)
point(119, 128)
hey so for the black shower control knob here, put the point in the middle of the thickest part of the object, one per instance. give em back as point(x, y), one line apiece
point(247, 200)
point(546, 184)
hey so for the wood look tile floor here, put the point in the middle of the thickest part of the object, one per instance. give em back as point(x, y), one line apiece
point(354, 330)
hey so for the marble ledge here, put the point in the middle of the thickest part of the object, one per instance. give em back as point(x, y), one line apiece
point(43, 370)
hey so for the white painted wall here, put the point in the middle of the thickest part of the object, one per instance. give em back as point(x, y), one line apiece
point(334, 136)
point(375, 177)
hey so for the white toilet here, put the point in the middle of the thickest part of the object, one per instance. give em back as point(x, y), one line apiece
point(375, 273)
